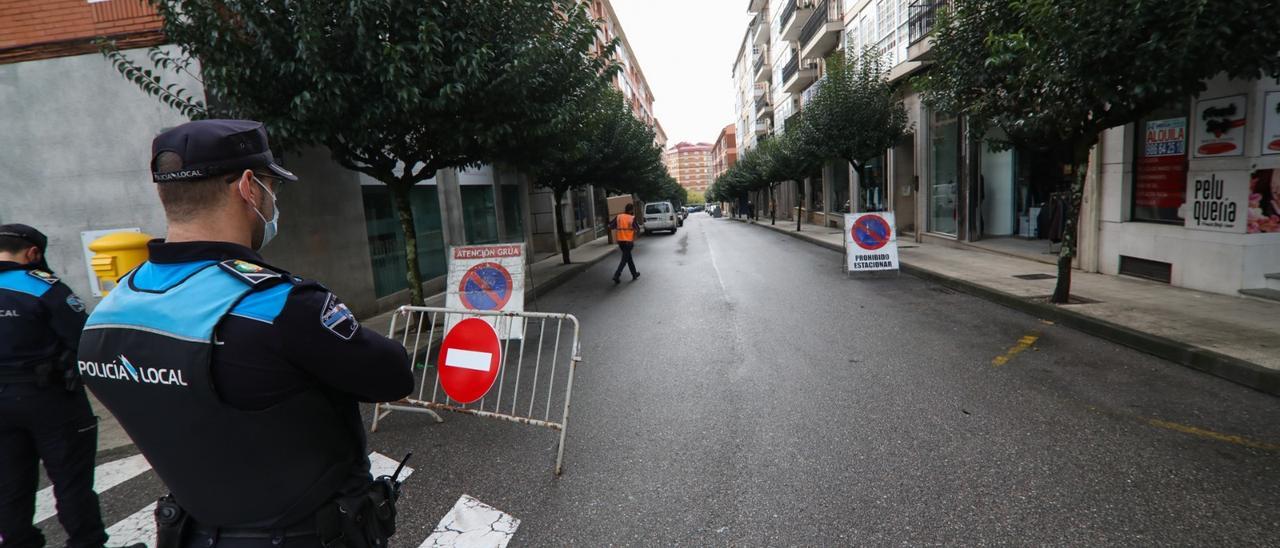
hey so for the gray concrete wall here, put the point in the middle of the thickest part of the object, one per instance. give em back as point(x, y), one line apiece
point(322, 230)
point(75, 148)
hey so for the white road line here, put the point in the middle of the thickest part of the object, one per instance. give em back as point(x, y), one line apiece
point(141, 526)
point(473, 524)
point(712, 252)
point(105, 476)
point(467, 359)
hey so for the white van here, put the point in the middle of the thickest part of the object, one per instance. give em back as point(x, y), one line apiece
point(660, 216)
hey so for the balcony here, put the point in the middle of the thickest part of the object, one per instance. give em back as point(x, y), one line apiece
point(755, 6)
point(761, 28)
point(821, 34)
point(920, 17)
point(762, 67)
point(763, 103)
point(797, 76)
point(763, 126)
point(795, 14)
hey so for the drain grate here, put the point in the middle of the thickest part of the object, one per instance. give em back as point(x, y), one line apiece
point(1035, 276)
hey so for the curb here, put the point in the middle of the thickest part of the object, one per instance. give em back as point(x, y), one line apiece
point(1214, 363)
point(539, 289)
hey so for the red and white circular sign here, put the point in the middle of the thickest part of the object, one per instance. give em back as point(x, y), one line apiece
point(470, 357)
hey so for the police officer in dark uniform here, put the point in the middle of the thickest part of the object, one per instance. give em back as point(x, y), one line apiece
point(237, 380)
point(44, 413)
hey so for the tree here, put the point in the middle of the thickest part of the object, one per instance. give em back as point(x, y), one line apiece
point(696, 197)
point(396, 89)
point(1056, 73)
point(598, 141)
point(855, 115)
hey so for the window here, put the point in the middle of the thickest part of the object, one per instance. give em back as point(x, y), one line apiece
point(1160, 165)
point(386, 239)
point(479, 218)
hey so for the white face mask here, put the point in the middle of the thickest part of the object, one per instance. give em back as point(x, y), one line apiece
point(270, 228)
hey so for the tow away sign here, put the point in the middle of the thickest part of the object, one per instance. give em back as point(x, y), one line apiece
point(870, 242)
point(488, 278)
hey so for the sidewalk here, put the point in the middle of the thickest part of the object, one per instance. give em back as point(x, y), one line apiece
point(1236, 338)
point(545, 275)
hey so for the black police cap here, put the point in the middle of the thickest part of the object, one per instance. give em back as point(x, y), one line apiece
point(26, 233)
point(209, 148)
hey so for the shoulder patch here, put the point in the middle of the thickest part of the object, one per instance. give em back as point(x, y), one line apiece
point(43, 276)
point(336, 317)
point(75, 303)
point(250, 273)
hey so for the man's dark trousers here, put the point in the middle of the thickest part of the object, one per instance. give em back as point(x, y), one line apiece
point(57, 427)
point(626, 260)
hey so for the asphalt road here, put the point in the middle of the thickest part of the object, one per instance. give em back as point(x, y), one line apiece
point(744, 392)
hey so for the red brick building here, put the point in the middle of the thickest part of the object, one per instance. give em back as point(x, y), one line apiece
point(44, 29)
point(690, 164)
point(725, 152)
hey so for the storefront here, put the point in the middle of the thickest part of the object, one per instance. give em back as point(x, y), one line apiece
point(942, 203)
point(386, 239)
point(1191, 194)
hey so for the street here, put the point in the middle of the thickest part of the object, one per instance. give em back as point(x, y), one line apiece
point(745, 392)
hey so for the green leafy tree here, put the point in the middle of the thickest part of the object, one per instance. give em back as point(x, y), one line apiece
point(1056, 73)
point(697, 197)
point(855, 115)
point(395, 89)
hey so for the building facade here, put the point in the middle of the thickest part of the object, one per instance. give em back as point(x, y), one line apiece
point(1142, 214)
point(690, 164)
point(74, 168)
point(725, 152)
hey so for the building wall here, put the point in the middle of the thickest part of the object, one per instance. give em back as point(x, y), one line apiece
point(69, 164)
point(725, 152)
point(41, 29)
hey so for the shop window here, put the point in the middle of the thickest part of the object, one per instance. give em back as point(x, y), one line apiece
point(581, 209)
point(871, 188)
point(479, 217)
point(511, 214)
point(840, 188)
point(1160, 166)
point(386, 240)
point(944, 172)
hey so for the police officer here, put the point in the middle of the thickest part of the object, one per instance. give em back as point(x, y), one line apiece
point(237, 380)
point(44, 413)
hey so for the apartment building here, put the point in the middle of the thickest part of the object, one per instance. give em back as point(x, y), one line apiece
point(1141, 216)
point(690, 164)
point(724, 153)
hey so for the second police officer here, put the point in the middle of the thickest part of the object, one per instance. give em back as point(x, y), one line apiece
point(239, 381)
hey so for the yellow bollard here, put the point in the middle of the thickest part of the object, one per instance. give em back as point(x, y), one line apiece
point(115, 254)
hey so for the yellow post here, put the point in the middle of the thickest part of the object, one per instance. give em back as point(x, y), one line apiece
point(115, 254)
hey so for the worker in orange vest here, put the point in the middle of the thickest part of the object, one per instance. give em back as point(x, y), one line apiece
point(624, 226)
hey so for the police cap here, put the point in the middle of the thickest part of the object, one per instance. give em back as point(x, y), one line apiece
point(209, 148)
point(25, 233)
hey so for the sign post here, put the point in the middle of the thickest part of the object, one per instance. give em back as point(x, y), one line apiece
point(488, 278)
point(871, 244)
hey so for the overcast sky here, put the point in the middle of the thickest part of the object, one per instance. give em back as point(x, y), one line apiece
point(687, 49)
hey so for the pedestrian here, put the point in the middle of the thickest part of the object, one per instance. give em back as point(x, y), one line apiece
point(44, 412)
point(625, 227)
point(237, 380)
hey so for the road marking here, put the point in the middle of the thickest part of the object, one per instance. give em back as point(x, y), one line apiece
point(1209, 434)
point(105, 476)
point(471, 523)
point(141, 525)
point(468, 359)
point(714, 265)
point(1027, 341)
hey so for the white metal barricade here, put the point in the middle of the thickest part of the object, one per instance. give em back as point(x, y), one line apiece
point(525, 390)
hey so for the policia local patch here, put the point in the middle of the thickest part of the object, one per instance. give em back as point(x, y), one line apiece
point(336, 317)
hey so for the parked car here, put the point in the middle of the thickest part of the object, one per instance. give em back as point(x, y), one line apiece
point(660, 216)
point(683, 214)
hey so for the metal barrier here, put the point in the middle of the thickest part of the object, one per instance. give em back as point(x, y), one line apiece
point(517, 395)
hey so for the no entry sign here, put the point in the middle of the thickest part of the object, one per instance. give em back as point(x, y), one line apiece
point(469, 359)
point(488, 278)
point(870, 242)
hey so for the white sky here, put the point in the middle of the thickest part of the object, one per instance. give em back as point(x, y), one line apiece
point(687, 49)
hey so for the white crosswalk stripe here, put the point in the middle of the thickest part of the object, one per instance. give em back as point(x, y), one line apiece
point(473, 524)
point(141, 526)
point(106, 476)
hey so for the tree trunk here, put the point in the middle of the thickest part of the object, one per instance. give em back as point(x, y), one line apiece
point(799, 205)
point(1079, 168)
point(404, 209)
point(773, 205)
point(561, 235)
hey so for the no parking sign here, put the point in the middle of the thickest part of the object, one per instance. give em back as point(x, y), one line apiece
point(870, 242)
point(488, 278)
